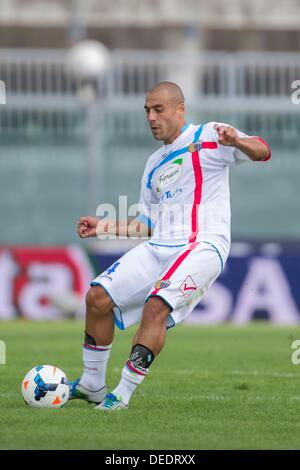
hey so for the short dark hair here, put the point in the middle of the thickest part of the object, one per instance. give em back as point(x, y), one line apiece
point(172, 88)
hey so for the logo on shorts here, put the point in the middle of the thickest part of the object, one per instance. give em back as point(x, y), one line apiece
point(197, 296)
point(195, 147)
point(188, 287)
point(170, 174)
point(162, 284)
point(113, 267)
point(106, 277)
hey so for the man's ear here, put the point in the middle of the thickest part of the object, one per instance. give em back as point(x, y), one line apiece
point(181, 109)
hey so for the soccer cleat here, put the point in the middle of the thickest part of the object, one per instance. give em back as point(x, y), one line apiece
point(111, 402)
point(78, 391)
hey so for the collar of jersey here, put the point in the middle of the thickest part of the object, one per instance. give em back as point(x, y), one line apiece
point(174, 154)
point(178, 139)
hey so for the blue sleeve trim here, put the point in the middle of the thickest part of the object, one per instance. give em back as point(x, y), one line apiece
point(145, 220)
point(198, 133)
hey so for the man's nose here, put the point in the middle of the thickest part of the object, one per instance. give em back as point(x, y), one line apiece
point(151, 115)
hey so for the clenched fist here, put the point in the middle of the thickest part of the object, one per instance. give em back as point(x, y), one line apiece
point(87, 226)
point(227, 135)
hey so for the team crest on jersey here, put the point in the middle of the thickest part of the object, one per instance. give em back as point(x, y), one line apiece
point(170, 174)
point(162, 284)
point(195, 147)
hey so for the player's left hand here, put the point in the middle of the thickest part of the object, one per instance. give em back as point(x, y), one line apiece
point(227, 135)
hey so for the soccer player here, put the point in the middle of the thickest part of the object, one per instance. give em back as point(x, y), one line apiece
point(185, 208)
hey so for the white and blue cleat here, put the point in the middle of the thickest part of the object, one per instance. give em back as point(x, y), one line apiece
point(78, 391)
point(110, 403)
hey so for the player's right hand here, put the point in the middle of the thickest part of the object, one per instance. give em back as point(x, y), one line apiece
point(86, 226)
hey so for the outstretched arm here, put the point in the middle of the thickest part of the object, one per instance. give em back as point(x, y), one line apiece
point(251, 146)
point(89, 226)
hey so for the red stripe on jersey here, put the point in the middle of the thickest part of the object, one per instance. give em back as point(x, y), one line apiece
point(195, 225)
point(209, 145)
point(197, 195)
point(267, 145)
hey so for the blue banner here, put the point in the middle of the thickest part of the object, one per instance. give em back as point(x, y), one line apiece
point(258, 282)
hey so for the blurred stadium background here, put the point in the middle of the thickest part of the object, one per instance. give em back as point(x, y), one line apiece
point(72, 137)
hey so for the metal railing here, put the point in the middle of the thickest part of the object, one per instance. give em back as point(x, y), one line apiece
point(31, 72)
point(60, 155)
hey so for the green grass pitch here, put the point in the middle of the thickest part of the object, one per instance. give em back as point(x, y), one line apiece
point(222, 387)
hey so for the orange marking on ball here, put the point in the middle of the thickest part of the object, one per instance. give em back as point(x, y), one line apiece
point(26, 384)
point(57, 401)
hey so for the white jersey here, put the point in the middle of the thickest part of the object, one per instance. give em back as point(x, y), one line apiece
point(185, 189)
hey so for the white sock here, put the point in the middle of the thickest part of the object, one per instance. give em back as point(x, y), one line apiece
point(131, 378)
point(95, 359)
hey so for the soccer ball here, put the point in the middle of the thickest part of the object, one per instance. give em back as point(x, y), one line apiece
point(45, 387)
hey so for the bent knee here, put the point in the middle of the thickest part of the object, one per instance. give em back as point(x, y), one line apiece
point(156, 310)
point(97, 299)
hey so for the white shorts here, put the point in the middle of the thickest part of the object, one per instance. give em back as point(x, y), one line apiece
point(179, 275)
